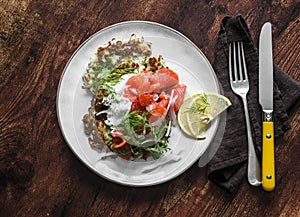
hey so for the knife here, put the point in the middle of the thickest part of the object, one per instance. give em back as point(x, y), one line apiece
point(266, 102)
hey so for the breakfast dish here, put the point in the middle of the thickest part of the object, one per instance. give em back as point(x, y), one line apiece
point(136, 97)
point(175, 58)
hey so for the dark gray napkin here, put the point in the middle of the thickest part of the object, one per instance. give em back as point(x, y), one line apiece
point(229, 165)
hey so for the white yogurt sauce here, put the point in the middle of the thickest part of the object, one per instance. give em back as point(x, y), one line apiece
point(119, 106)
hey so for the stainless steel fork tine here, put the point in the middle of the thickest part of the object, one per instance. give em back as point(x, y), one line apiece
point(240, 67)
point(234, 62)
point(230, 62)
point(244, 63)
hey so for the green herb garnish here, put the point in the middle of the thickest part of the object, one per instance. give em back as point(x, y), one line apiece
point(158, 148)
point(200, 107)
point(136, 128)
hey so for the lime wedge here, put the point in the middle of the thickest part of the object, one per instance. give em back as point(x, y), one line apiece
point(199, 110)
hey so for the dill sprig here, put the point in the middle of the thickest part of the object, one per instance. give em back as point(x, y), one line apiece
point(103, 76)
point(115, 75)
point(111, 77)
point(200, 107)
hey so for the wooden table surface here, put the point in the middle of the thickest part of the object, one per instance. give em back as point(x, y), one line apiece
point(40, 175)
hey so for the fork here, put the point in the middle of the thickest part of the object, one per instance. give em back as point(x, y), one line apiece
point(240, 85)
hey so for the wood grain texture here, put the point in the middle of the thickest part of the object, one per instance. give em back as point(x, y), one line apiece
point(39, 174)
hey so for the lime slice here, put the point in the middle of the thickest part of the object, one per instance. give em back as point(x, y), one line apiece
point(199, 110)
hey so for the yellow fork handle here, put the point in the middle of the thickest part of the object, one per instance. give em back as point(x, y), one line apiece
point(268, 162)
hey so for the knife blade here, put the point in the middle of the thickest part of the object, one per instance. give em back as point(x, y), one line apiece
point(266, 102)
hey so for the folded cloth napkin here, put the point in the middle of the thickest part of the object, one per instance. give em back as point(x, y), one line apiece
point(229, 165)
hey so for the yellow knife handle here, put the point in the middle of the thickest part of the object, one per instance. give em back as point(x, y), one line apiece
point(268, 161)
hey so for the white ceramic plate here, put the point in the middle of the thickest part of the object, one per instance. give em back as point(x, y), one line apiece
point(182, 56)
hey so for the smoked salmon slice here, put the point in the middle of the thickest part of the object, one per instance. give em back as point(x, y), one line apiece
point(140, 82)
point(163, 79)
point(152, 91)
point(179, 92)
point(149, 82)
